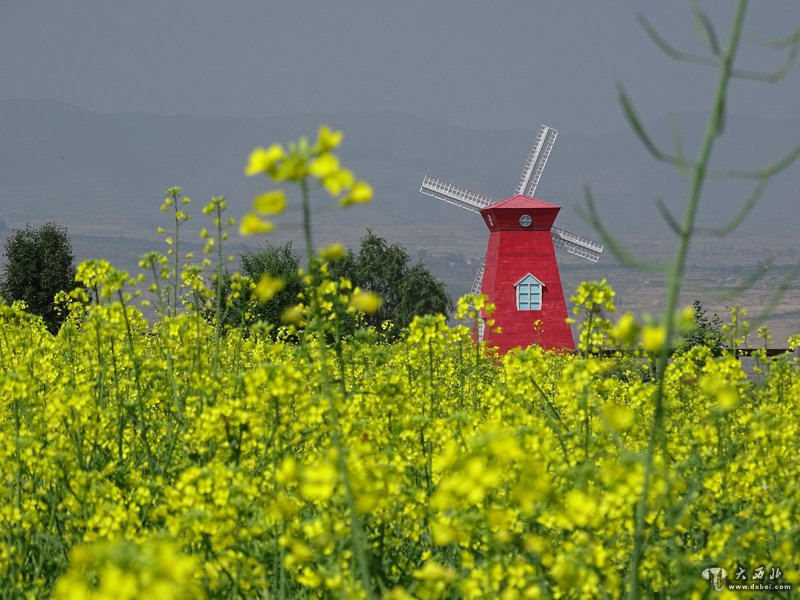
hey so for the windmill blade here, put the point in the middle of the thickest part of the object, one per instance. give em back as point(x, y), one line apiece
point(537, 159)
point(476, 285)
point(454, 195)
point(576, 244)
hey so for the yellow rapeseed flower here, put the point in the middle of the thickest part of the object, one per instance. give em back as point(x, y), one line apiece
point(252, 224)
point(332, 252)
point(434, 571)
point(327, 139)
point(268, 286)
point(727, 398)
point(318, 481)
point(263, 159)
point(359, 194)
point(324, 165)
point(625, 330)
point(293, 315)
point(618, 417)
point(366, 302)
point(653, 337)
point(270, 203)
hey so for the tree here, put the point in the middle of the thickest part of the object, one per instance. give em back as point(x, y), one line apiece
point(378, 267)
point(421, 293)
point(277, 261)
point(267, 259)
point(706, 331)
point(39, 264)
point(406, 291)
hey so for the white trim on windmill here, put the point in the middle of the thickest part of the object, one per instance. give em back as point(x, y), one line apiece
point(575, 244)
point(476, 285)
point(529, 293)
point(537, 159)
point(454, 194)
point(524, 277)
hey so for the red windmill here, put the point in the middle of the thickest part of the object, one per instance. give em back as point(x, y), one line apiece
point(519, 272)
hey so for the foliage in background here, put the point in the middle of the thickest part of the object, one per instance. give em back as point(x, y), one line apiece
point(406, 290)
point(705, 331)
point(38, 264)
point(277, 261)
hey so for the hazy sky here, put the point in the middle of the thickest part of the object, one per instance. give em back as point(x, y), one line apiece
point(497, 63)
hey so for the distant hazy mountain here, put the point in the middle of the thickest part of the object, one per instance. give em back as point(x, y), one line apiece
point(106, 173)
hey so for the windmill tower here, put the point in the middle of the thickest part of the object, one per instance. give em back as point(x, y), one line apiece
point(519, 272)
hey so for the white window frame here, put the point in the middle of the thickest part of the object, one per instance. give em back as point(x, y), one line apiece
point(529, 293)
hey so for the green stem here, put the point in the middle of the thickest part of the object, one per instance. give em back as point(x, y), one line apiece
point(674, 286)
point(142, 421)
point(218, 290)
point(314, 320)
point(177, 259)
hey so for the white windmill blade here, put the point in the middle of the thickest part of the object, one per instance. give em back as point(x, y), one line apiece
point(454, 194)
point(575, 244)
point(476, 285)
point(537, 159)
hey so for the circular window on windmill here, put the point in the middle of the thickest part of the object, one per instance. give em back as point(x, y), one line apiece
point(525, 220)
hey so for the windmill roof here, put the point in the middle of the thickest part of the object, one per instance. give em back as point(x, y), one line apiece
point(520, 201)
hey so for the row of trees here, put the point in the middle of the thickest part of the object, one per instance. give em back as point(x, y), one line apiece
point(40, 262)
point(406, 289)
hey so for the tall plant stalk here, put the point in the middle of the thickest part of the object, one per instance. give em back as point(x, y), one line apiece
point(685, 234)
point(316, 318)
point(723, 59)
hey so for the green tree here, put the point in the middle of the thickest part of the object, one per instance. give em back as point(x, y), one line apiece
point(38, 264)
point(406, 290)
point(421, 293)
point(706, 331)
point(380, 268)
point(277, 261)
point(267, 259)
